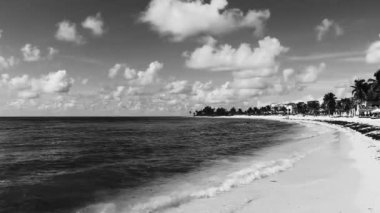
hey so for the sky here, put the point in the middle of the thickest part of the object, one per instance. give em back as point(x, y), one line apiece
point(169, 57)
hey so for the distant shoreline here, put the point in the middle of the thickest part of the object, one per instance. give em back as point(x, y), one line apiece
point(366, 126)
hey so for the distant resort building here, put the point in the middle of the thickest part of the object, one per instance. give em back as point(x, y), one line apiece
point(367, 107)
point(291, 108)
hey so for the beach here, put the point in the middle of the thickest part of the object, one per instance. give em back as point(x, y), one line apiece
point(340, 178)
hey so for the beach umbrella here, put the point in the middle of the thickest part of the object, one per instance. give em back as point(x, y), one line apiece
point(376, 111)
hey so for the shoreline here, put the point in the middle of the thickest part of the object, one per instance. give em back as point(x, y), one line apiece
point(341, 174)
point(365, 152)
point(369, 129)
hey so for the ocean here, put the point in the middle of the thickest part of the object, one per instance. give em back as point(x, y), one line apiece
point(138, 164)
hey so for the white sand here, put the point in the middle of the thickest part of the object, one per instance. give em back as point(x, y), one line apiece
point(339, 184)
point(339, 177)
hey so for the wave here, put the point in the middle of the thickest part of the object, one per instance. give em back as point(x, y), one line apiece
point(242, 177)
point(256, 171)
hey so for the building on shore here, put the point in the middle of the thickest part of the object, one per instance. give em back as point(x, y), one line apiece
point(366, 107)
point(291, 108)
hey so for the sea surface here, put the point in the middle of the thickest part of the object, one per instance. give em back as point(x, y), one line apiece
point(135, 164)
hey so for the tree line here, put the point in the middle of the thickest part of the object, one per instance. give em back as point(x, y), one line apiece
point(362, 91)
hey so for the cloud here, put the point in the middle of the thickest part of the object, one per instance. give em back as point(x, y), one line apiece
point(118, 92)
point(149, 76)
point(20, 82)
point(129, 73)
point(182, 19)
point(67, 31)
point(373, 53)
point(326, 26)
point(244, 88)
point(4, 78)
point(21, 103)
point(31, 53)
point(115, 94)
point(6, 63)
point(298, 80)
point(137, 78)
point(59, 103)
point(343, 88)
point(84, 81)
point(27, 94)
point(343, 56)
point(178, 87)
point(206, 93)
point(254, 61)
point(254, 70)
point(54, 82)
point(287, 73)
point(52, 52)
point(112, 73)
point(95, 24)
point(1, 33)
point(310, 74)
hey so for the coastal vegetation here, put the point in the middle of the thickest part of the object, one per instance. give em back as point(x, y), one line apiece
point(365, 99)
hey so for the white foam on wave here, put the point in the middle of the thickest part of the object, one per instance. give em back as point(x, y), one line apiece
point(244, 176)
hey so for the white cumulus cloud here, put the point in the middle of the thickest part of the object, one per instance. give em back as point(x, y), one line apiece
point(254, 61)
point(95, 24)
point(54, 82)
point(67, 31)
point(373, 53)
point(298, 80)
point(137, 78)
point(112, 73)
point(148, 76)
point(287, 73)
point(254, 69)
point(31, 53)
point(310, 74)
point(182, 19)
point(52, 52)
point(326, 26)
point(27, 87)
point(6, 63)
point(177, 87)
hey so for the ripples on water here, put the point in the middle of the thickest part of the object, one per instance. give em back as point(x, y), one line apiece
point(62, 164)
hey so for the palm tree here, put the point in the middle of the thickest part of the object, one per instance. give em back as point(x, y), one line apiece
point(374, 87)
point(347, 105)
point(250, 111)
point(232, 111)
point(301, 108)
point(360, 90)
point(256, 110)
point(339, 107)
point(329, 102)
point(221, 111)
point(313, 107)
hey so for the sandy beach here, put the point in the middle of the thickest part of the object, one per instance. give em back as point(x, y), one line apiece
point(339, 176)
point(342, 178)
